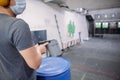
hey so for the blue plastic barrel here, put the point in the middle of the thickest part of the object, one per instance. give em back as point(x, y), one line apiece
point(54, 68)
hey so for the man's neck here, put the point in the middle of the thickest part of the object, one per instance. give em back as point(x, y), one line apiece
point(6, 11)
point(2, 10)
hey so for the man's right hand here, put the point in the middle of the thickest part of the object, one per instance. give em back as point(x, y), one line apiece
point(41, 48)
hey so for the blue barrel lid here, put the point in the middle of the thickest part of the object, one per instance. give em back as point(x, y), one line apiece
point(52, 66)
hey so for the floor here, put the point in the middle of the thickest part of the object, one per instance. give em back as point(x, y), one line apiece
point(96, 59)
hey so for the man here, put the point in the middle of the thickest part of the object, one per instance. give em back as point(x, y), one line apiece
point(19, 57)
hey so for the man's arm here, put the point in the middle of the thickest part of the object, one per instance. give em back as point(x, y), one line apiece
point(20, 37)
point(32, 55)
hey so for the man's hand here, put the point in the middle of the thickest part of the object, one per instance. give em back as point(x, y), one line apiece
point(41, 48)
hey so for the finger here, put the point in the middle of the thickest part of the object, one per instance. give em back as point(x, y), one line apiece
point(45, 44)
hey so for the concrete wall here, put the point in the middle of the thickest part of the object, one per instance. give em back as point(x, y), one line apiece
point(40, 16)
point(109, 12)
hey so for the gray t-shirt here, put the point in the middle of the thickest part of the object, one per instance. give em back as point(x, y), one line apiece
point(14, 36)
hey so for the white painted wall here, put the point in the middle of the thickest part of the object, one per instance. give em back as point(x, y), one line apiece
point(80, 23)
point(40, 16)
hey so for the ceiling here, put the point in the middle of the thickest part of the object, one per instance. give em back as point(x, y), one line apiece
point(93, 4)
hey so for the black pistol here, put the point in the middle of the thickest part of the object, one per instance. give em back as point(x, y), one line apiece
point(42, 42)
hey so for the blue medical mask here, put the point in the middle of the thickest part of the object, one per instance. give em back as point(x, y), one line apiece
point(19, 7)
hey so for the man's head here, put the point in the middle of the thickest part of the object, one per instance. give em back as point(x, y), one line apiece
point(17, 6)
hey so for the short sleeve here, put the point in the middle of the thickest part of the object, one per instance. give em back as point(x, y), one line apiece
point(21, 35)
